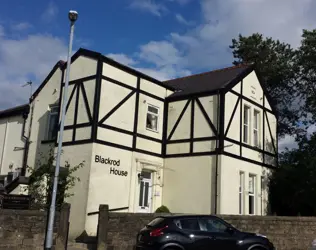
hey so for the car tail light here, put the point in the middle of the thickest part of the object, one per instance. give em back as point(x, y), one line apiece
point(157, 231)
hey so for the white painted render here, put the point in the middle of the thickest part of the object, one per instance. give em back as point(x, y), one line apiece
point(40, 107)
point(11, 143)
point(184, 184)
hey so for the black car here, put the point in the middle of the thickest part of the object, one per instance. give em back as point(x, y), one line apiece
point(198, 232)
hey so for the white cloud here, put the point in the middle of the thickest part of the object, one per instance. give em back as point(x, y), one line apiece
point(182, 20)
point(149, 6)
point(50, 12)
point(21, 60)
point(21, 26)
point(121, 58)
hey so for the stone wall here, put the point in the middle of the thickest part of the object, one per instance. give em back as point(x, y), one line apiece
point(23, 229)
point(26, 229)
point(287, 233)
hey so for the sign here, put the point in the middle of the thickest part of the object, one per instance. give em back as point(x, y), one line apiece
point(11, 201)
point(108, 161)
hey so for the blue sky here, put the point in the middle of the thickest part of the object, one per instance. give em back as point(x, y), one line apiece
point(163, 38)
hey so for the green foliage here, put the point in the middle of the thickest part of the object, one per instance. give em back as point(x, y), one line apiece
point(307, 64)
point(42, 177)
point(276, 63)
point(162, 209)
point(292, 187)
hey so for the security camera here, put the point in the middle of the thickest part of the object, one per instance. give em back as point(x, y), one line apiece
point(73, 15)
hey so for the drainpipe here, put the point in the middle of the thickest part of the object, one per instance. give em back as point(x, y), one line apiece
point(217, 151)
point(27, 140)
point(4, 144)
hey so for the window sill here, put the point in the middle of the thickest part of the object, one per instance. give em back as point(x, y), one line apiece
point(47, 141)
point(151, 130)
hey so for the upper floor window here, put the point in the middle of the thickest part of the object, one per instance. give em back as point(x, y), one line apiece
point(246, 124)
point(52, 127)
point(152, 118)
point(256, 125)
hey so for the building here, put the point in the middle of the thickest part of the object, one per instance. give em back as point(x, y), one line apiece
point(199, 144)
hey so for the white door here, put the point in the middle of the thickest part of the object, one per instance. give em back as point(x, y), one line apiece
point(145, 192)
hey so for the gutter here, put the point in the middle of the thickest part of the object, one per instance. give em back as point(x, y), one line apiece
point(27, 140)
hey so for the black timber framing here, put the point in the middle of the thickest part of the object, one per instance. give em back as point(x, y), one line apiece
point(136, 113)
point(251, 101)
point(231, 118)
point(106, 78)
point(272, 139)
point(263, 131)
point(165, 129)
point(179, 119)
point(79, 80)
point(259, 150)
point(76, 111)
point(198, 139)
point(241, 118)
point(97, 96)
point(112, 111)
point(209, 121)
point(193, 98)
point(59, 101)
point(192, 126)
point(221, 128)
point(104, 59)
point(249, 160)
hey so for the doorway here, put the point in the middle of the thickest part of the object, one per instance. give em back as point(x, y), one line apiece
point(145, 192)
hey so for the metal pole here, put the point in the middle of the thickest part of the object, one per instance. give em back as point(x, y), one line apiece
point(49, 234)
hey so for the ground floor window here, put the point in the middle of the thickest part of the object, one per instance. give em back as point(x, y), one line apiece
point(251, 197)
point(241, 192)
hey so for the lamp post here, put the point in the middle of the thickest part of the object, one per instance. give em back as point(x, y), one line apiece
point(73, 16)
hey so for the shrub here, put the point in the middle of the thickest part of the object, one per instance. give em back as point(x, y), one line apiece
point(162, 209)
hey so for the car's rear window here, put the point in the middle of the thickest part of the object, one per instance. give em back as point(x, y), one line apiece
point(155, 222)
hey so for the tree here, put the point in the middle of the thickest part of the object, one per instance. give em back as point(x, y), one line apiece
point(277, 66)
point(292, 187)
point(41, 181)
point(307, 66)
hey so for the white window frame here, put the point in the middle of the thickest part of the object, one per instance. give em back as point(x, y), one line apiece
point(256, 119)
point(252, 194)
point(49, 119)
point(241, 191)
point(247, 125)
point(158, 114)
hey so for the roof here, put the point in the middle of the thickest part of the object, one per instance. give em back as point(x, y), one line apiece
point(19, 110)
point(59, 65)
point(208, 81)
point(97, 55)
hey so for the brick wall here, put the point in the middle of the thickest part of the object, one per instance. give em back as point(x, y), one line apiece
point(287, 233)
point(23, 229)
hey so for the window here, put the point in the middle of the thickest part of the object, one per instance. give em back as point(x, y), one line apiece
point(246, 124)
point(190, 224)
point(52, 123)
point(152, 118)
point(241, 193)
point(256, 125)
point(262, 193)
point(213, 225)
point(252, 194)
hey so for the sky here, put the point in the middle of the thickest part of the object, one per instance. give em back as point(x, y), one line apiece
point(162, 38)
